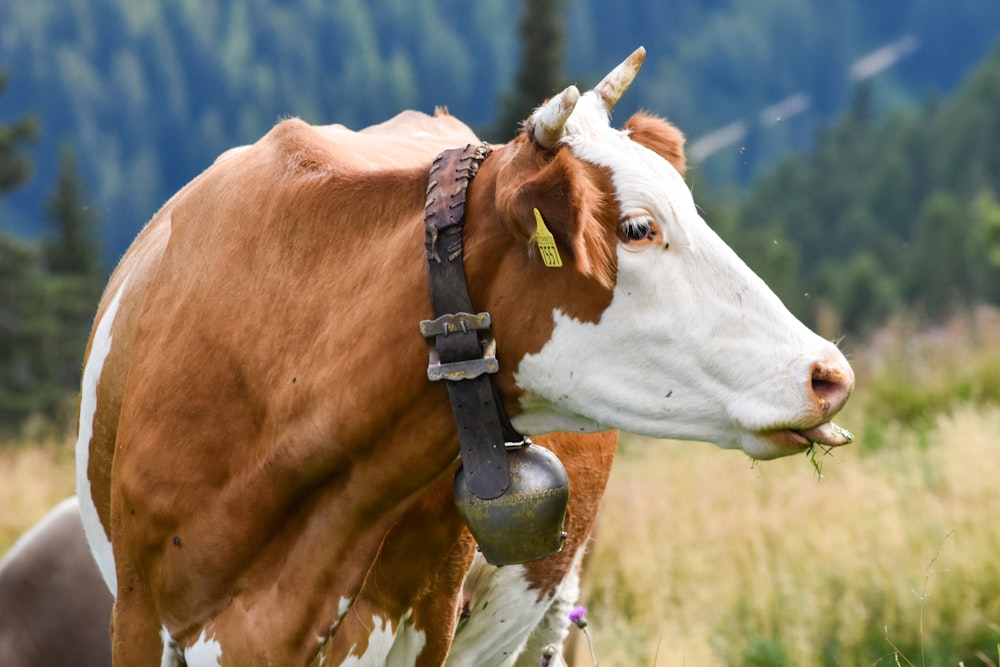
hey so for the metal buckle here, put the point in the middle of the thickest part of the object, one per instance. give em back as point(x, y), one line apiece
point(454, 323)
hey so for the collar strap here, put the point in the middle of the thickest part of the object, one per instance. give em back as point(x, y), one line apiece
point(460, 341)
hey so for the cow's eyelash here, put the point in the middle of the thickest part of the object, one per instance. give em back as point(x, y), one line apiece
point(637, 228)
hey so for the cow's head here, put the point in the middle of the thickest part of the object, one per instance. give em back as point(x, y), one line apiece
point(688, 342)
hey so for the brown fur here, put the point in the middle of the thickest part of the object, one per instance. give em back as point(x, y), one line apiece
point(575, 200)
point(275, 443)
point(659, 136)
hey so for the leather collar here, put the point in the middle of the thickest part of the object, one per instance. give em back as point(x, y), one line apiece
point(461, 344)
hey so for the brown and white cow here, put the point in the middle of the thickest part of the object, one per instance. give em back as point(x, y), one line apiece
point(264, 470)
point(54, 607)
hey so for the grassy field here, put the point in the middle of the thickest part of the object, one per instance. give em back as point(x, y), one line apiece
point(704, 560)
point(701, 558)
point(35, 474)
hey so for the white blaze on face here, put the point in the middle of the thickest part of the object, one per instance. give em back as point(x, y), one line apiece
point(693, 345)
point(100, 348)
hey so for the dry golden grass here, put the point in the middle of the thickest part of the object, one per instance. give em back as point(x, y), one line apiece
point(702, 560)
point(33, 479)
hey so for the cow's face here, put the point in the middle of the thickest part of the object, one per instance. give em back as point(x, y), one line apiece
point(692, 344)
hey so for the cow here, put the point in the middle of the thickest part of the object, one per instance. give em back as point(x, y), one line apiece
point(265, 470)
point(54, 606)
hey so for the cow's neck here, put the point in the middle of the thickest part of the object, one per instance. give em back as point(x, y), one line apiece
point(462, 348)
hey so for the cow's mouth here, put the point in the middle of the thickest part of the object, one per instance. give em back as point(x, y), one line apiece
point(827, 434)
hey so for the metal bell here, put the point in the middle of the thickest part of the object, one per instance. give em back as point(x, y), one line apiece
point(525, 523)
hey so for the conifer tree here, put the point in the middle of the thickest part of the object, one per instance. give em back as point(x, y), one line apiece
point(48, 290)
point(73, 249)
point(15, 167)
point(540, 72)
point(17, 279)
point(71, 278)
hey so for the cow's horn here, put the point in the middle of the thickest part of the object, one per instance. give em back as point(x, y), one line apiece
point(553, 116)
point(620, 78)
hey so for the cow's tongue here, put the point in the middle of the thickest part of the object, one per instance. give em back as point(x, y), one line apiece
point(828, 434)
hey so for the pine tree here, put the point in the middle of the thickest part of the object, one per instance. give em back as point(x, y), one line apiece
point(17, 279)
point(73, 249)
point(71, 280)
point(48, 290)
point(15, 167)
point(540, 73)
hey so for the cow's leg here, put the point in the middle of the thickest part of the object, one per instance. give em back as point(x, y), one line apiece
point(137, 635)
point(512, 613)
point(407, 611)
point(588, 460)
point(553, 628)
point(507, 622)
point(501, 609)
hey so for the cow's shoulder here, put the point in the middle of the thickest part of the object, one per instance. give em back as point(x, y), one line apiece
point(442, 128)
point(411, 139)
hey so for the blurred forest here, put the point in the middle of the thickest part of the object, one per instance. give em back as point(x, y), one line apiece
point(856, 189)
point(885, 214)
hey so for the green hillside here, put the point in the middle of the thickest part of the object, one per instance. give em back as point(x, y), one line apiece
point(857, 167)
point(149, 93)
point(890, 213)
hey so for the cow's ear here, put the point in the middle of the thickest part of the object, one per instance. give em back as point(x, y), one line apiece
point(660, 136)
point(571, 200)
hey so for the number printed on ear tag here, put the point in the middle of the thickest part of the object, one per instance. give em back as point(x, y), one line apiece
point(546, 243)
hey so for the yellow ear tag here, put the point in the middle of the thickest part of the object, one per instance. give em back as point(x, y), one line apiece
point(546, 243)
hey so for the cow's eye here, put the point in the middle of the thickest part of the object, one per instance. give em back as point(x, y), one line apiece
point(637, 228)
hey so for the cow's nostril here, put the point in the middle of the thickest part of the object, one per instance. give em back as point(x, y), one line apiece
point(831, 385)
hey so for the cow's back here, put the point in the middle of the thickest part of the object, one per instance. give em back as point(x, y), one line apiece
point(410, 139)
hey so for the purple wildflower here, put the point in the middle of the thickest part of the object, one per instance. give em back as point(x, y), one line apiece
point(578, 616)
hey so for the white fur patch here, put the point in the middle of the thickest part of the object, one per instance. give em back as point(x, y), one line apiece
point(205, 652)
point(170, 657)
point(388, 647)
point(343, 607)
point(100, 545)
point(503, 612)
point(553, 627)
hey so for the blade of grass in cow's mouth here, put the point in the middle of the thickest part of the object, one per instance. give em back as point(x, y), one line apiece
point(828, 434)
